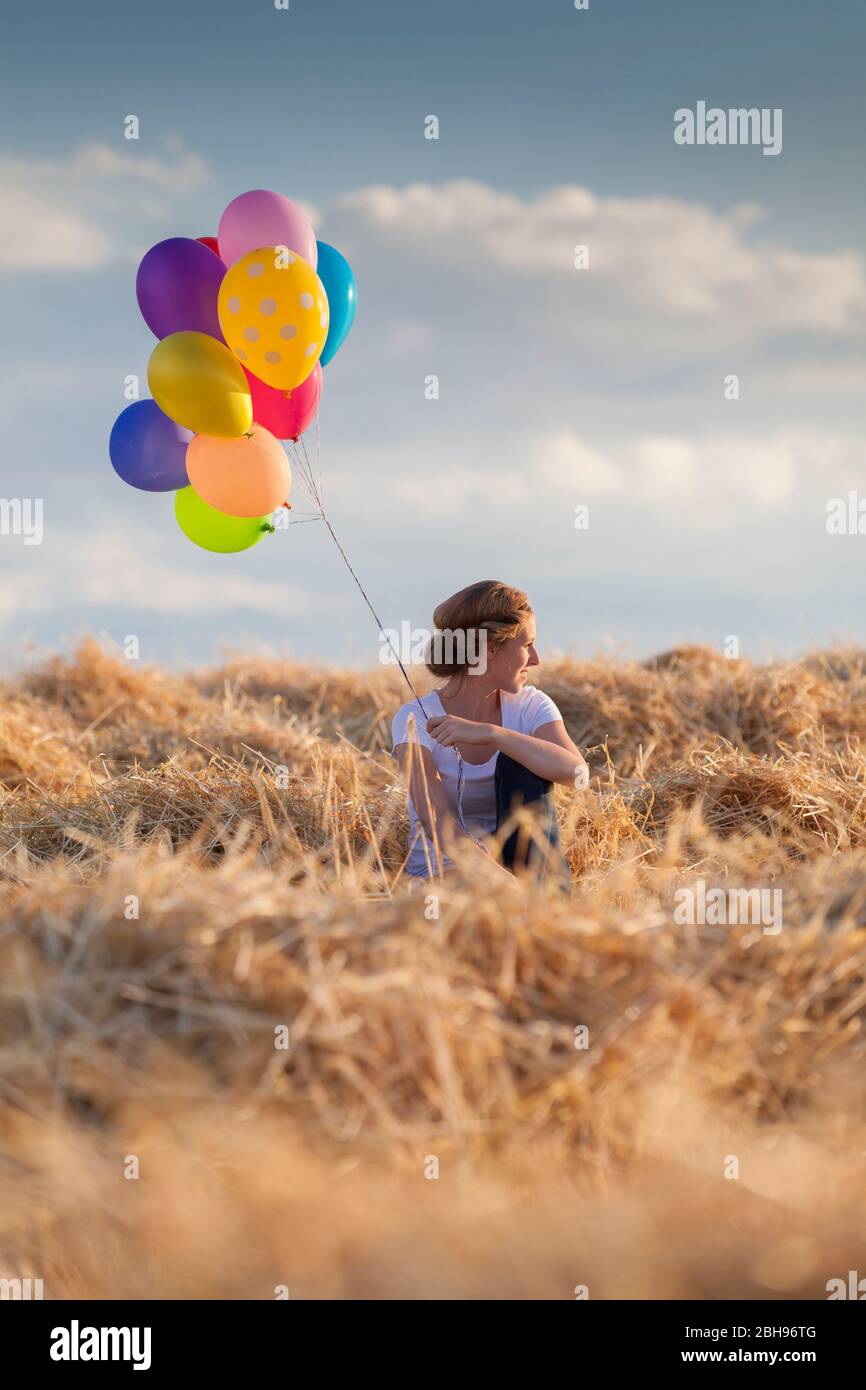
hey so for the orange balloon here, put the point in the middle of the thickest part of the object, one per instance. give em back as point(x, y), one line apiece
point(245, 476)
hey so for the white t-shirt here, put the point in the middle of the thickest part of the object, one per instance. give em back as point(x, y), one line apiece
point(524, 712)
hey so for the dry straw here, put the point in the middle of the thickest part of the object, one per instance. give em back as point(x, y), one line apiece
point(253, 817)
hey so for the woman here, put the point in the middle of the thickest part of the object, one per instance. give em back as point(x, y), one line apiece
point(485, 741)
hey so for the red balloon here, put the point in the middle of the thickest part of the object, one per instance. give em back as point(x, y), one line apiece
point(286, 413)
point(211, 242)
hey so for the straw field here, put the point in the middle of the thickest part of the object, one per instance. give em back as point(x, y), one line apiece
point(238, 1058)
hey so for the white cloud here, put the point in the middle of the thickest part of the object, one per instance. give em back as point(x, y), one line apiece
point(665, 465)
point(563, 460)
point(819, 377)
point(96, 163)
point(92, 164)
point(37, 233)
point(721, 473)
point(65, 214)
point(26, 386)
point(708, 480)
point(673, 258)
point(452, 488)
point(106, 569)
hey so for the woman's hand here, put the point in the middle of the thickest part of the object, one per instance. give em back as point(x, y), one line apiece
point(450, 729)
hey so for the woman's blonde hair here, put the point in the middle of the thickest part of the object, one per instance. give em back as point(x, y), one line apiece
point(497, 610)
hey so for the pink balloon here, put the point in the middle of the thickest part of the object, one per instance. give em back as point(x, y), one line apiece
point(260, 218)
point(286, 413)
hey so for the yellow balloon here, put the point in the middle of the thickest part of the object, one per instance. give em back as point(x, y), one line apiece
point(196, 380)
point(274, 315)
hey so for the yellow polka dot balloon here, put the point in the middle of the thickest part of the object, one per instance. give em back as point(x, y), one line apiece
point(273, 312)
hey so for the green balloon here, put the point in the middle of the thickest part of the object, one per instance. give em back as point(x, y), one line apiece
point(214, 530)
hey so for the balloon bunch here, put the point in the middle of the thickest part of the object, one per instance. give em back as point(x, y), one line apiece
point(245, 324)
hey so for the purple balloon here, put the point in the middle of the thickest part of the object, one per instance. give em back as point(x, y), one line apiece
point(177, 286)
point(147, 449)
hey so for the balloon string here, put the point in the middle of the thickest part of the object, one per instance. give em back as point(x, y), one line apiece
point(306, 470)
point(315, 490)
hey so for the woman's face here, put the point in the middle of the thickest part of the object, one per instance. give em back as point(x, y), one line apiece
point(509, 664)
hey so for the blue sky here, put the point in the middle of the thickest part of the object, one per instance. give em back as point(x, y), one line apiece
point(325, 94)
point(558, 387)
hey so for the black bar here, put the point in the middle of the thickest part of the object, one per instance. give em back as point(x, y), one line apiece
point(824, 1336)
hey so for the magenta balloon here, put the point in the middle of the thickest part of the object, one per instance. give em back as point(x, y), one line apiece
point(177, 287)
point(260, 218)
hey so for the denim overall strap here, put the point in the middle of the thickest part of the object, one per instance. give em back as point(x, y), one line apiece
point(516, 786)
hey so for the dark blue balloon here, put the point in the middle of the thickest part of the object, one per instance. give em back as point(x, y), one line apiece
point(336, 275)
point(148, 450)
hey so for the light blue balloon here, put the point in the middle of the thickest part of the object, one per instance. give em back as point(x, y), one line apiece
point(336, 275)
